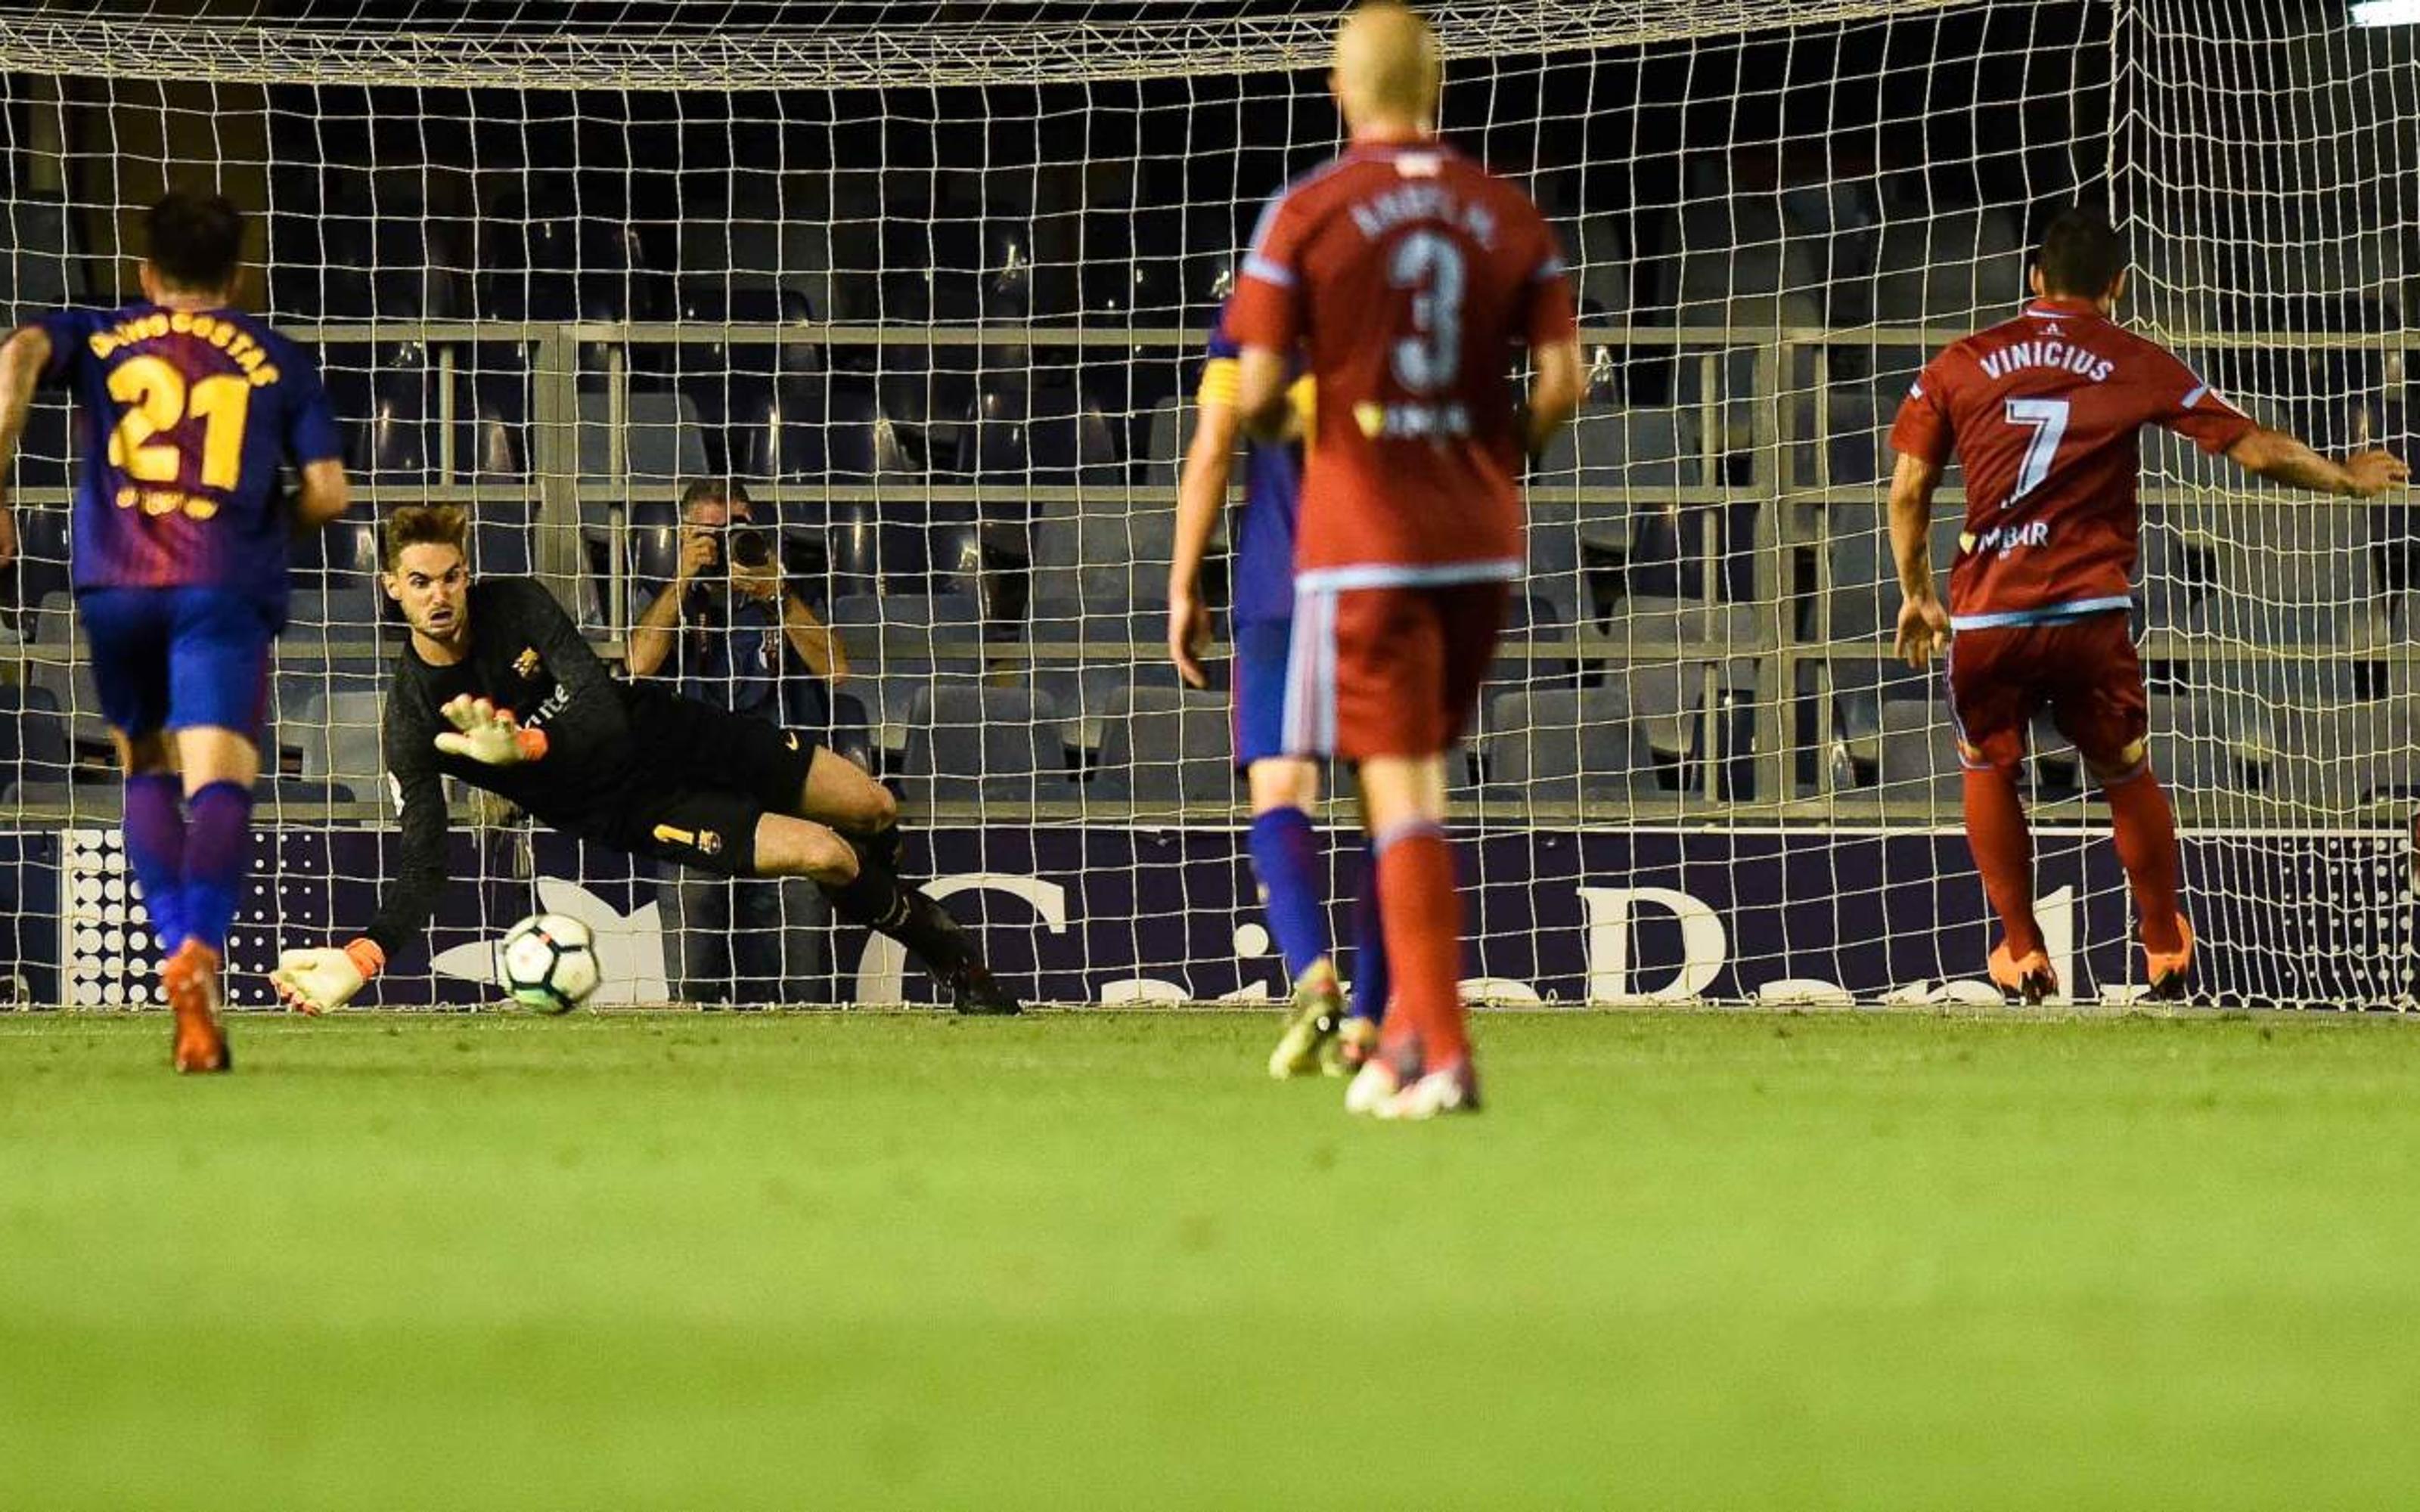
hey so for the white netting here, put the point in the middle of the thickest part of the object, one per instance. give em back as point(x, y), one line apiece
point(931, 280)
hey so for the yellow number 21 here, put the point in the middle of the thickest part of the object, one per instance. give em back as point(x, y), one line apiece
point(155, 397)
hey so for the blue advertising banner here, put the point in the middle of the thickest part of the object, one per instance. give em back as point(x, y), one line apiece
point(1088, 915)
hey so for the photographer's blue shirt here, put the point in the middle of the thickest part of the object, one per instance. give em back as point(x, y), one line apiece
point(731, 653)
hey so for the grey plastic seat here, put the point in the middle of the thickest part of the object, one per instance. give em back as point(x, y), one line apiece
point(339, 737)
point(1566, 746)
point(1666, 690)
point(903, 645)
point(1167, 746)
point(967, 741)
point(2347, 759)
point(1919, 757)
point(1104, 555)
point(663, 444)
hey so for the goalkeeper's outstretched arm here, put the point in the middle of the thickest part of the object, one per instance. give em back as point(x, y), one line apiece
point(315, 980)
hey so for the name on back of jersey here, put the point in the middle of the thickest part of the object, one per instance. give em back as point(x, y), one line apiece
point(226, 335)
point(2063, 356)
point(1432, 202)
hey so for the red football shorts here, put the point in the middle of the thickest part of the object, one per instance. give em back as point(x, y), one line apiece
point(2084, 670)
point(1388, 672)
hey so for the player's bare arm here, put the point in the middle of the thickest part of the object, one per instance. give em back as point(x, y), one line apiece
point(2283, 458)
point(324, 494)
point(1201, 493)
point(1261, 393)
point(1923, 621)
point(21, 361)
point(1555, 391)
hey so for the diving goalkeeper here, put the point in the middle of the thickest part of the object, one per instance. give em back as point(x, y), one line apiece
point(497, 688)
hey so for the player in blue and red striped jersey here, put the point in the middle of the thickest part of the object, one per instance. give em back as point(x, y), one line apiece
point(2044, 411)
point(181, 541)
point(1283, 785)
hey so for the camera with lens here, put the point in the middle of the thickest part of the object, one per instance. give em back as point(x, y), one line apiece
point(752, 550)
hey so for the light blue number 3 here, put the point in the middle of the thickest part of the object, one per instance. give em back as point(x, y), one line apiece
point(1430, 265)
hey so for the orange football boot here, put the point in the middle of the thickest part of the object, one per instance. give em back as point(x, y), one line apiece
point(2166, 970)
point(2030, 976)
point(191, 978)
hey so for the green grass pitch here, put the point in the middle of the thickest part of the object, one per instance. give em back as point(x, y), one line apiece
point(1689, 1260)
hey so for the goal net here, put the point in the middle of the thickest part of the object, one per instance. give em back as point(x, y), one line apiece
point(900, 311)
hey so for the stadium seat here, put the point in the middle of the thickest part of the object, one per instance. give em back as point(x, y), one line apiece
point(52, 621)
point(47, 450)
point(1167, 746)
point(662, 446)
point(349, 613)
point(1039, 438)
point(2212, 746)
point(42, 565)
point(2343, 759)
point(1555, 570)
point(1665, 692)
point(338, 734)
point(1168, 433)
point(1849, 437)
point(1960, 269)
point(1565, 745)
point(502, 548)
point(73, 693)
point(967, 741)
point(1918, 758)
point(1120, 650)
point(39, 268)
point(1105, 556)
point(905, 644)
point(34, 746)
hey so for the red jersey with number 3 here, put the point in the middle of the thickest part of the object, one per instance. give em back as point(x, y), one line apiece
point(2044, 412)
point(1409, 275)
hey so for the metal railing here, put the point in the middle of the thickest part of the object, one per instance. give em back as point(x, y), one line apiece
point(1790, 536)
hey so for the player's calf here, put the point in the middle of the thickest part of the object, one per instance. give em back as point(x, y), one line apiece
point(788, 847)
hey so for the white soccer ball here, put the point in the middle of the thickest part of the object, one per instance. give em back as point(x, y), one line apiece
point(548, 962)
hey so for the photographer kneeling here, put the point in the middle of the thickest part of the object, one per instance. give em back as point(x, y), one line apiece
point(728, 631)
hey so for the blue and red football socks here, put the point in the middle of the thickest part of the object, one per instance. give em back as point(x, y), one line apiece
point(155, 848)
point(218, 858)
point(1285, 857)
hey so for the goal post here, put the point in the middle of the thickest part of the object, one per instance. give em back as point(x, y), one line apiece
point(930, 283)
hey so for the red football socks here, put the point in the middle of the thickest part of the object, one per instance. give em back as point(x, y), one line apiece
point(1422, 915)
point(2146, 846)
point(2003, 853)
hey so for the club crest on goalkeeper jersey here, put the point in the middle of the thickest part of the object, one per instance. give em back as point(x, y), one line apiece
point(2043, 414)
point(187, 418)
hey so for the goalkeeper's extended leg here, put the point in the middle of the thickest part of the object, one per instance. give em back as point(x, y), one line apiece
point(862, 880)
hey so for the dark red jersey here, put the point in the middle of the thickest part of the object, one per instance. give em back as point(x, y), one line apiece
point(2044, 412)
point(1409, 276)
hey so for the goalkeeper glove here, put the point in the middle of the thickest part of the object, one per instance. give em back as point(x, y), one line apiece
point(313, 981)
point(488, 734)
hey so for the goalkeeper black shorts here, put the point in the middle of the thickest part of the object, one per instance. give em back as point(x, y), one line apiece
point(710, 775)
